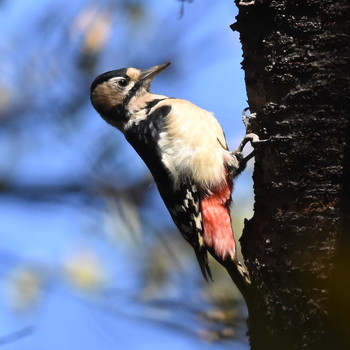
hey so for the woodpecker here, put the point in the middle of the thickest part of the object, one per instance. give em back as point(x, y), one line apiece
point(185, 149)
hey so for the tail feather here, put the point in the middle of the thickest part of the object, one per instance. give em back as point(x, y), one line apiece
point(202, 257)
point(239, 276)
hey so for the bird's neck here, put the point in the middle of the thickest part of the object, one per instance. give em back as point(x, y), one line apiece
point(142, 103)
point(139, 108)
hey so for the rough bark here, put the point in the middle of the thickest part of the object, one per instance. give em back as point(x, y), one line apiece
point(296, 246)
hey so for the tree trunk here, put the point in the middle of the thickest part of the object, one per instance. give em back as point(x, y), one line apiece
point(296, 246)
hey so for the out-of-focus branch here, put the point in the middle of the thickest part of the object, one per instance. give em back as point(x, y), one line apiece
point(16, 335)
point(90, 189)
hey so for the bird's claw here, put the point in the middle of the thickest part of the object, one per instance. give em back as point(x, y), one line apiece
point(243, 272)
point(249, 137)
point(247, 120)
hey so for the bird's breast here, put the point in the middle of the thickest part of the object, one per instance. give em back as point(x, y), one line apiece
point(193, 146)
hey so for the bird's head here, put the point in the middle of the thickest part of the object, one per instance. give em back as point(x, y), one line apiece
point(112, 91)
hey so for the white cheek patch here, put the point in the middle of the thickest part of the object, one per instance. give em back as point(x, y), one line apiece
point(130, 86)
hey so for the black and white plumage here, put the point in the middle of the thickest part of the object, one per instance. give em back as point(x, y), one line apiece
point(185, 149)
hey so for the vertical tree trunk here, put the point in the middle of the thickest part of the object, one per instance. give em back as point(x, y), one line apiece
point(296, 246)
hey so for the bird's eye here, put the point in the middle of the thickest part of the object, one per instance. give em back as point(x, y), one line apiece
point(122, 82)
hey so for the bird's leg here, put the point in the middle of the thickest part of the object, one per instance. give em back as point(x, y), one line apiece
point(249, 137)
point(236, 270)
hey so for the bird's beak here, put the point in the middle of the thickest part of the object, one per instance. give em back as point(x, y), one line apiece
point(148, 74)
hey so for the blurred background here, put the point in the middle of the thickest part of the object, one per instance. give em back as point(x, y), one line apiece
point(89, 257)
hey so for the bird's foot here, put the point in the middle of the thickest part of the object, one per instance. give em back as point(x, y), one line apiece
point(249, 137)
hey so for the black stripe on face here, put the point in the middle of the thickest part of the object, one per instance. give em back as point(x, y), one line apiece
point(132, 92)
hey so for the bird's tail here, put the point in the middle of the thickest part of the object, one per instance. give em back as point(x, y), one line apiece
point(239, 276)
point(202, 257)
